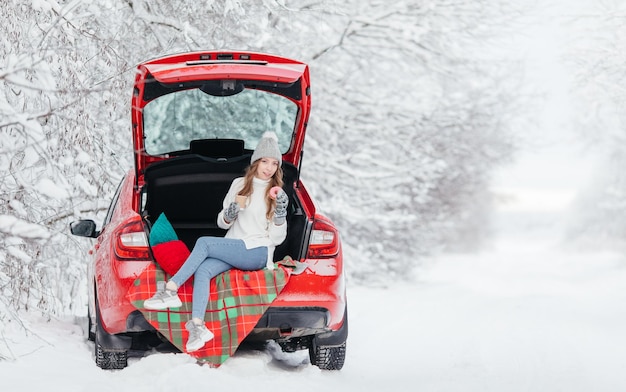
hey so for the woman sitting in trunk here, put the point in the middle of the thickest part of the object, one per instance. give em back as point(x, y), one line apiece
point(255, 211)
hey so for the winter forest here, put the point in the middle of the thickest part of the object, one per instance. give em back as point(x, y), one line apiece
point(415, 104)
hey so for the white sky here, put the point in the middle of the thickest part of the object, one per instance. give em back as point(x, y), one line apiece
point(554, 165)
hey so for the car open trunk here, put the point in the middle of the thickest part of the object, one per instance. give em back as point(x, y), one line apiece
point(190, 190)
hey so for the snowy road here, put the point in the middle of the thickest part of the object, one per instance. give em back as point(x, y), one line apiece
point(527, 315)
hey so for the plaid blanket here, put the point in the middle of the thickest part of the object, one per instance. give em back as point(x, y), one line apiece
point(237, 300)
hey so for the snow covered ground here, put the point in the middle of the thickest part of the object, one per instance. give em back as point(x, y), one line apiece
point(528, 314)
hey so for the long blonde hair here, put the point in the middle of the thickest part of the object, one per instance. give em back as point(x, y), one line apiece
point(276, 180)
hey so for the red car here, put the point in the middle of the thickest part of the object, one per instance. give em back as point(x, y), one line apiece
point(196, 119)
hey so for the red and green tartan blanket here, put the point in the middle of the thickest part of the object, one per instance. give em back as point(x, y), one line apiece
point(237, 300)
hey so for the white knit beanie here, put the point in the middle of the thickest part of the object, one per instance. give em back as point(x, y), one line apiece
point(267, 148)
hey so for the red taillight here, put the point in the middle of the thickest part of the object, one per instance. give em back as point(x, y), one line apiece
point(131, 242)
point(324, 241)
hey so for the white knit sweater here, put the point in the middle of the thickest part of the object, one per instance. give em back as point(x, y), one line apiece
point(252, 225)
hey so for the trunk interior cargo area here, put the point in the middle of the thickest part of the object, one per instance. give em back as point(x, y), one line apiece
point(190, 190)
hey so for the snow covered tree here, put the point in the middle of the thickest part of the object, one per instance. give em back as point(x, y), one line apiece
point(59, 137)
point(599, 58)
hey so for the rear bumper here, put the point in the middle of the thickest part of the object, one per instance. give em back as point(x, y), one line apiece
point(295, 322)
point(299, 328)
point(295, 319)
point(276, 323)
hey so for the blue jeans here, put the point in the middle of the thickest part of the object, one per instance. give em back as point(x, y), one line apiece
point(212, 256)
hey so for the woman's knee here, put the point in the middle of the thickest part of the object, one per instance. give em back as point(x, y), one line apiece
point(203, 241)
point(211, 268)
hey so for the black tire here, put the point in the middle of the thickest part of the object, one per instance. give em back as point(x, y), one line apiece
point(327, 351)
point(328, 357)
point(110, 360)
point(107, 359)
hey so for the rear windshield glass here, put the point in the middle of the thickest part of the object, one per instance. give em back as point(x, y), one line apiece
point(173, 120)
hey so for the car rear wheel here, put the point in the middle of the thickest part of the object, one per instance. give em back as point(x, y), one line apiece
point(327, 351)
point(110, 359)
point(328, 357)
point(105, 357)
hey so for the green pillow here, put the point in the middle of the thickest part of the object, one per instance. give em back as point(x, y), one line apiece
point(162, 231)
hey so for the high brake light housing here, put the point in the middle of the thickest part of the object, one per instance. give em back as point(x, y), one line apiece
point(131, 242)
point(324, 240)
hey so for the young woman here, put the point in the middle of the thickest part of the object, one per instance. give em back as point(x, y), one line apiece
point(253, 233)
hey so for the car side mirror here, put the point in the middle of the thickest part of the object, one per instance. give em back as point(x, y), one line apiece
point(84, 228)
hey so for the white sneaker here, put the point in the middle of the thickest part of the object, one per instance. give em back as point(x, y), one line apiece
point(162, 300)
point(198, 336)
